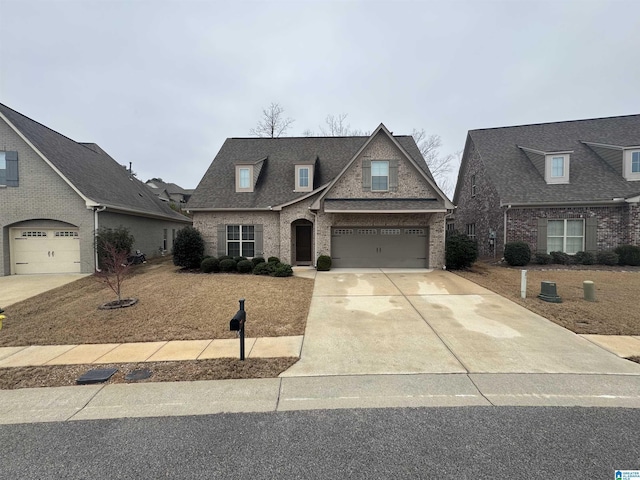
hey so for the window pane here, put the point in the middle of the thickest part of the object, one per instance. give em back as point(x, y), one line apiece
point(554, 244)
point(233, 232)
point(380, 169)
point(574, 244)
point(233, 249)
point(303, 173)
point(247, 232)
point(3, 161)
point(635, 162)
point(244, 178)
point(574, 228)
point(248, 249)
point(379, 183)
point(555, 228)
point(557, 167)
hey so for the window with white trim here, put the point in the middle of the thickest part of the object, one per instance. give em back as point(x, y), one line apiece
point(3, 168)
point(565, 236)
point(244, 178)
point(66, 234)
point(34, 234)
point(471, 231)
point(557, 168)
point(379, 176)
point(241, 240)
point(304, 178)
point(635, 162)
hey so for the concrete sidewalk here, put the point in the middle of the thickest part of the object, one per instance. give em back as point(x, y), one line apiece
point(176, 350)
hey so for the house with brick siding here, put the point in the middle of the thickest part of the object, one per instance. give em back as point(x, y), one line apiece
point(564, 186)
point(55, 193)
point(367, 201)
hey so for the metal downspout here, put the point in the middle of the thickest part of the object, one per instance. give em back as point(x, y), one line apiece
point(96, 210)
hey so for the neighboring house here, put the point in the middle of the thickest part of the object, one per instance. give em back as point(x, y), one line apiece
point(564, 186)
point(170, 192)
point(55, 193)
point(365, 201)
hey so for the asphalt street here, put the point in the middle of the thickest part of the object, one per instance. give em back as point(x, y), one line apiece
point(430, 443)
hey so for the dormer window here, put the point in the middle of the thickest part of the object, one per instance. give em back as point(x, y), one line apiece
point(304, 178)
point(244, 178)
point(635, 162)
point(557, 168)
point(632, 164)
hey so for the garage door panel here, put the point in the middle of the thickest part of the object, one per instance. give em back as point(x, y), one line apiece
point(45, 251)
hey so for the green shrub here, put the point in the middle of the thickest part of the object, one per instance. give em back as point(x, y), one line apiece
point(517, 254)
point(273, 260)
point(628, 255)
point(245, 266)
point(607, 257)
point(542, 258)
point(188, 248)
point(228, 265)
point(119, 237)
point(585, 258)
point(263, 268)
point(460, 251)
point(324, 263)
point(225, 257)
point(561, 258)
point(209, 265)
point(283, 270)
point(239, 259)
point(256, 260)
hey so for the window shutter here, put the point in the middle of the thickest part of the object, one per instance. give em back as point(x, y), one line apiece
point(366, 175)
point(393, 175)
point(590, 237)
point(12, 168)
point(222, 239)
point(258, 236)
point(542, 235)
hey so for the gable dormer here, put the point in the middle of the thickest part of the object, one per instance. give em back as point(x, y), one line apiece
point(553, 166)
point(624, 160)
point(304, 172)
point(247, 175)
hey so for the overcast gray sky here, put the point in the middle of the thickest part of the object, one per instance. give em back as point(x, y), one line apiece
point(162, 83)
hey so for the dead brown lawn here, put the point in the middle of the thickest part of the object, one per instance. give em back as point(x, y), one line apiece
point(172, 306)
point(616, 311)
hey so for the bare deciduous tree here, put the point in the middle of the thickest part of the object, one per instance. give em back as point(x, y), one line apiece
point(440, 166)
point(115, 268)
point(273, 123)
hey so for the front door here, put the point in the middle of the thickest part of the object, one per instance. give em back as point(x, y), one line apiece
point(303, 244)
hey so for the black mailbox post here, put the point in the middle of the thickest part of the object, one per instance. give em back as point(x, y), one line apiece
point(237, 324)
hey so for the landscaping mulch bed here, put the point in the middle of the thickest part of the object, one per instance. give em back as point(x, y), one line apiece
point(615, 311)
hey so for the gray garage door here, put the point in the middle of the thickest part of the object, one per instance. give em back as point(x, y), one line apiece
point(387, 247)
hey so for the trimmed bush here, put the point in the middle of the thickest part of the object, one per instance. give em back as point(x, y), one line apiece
point(256, 260)
point(239, 259)
point(188, 248)
point(324, 263)
point(119, 237)
point(628, 255)
point(283, 270)
point(273, 260)
point(517, 254)
point(245, 266)
point(263, 268)
point(225, 257)
point(542, 258)
point(460, 251)
point(210, 265)
point(607, 257)
point(585, 258)
point(561, 258)
point(228, 265)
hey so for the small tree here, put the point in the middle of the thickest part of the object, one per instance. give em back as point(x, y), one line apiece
point(460, 251)
point(273, 123)
point(188, 248)
point(114, 268)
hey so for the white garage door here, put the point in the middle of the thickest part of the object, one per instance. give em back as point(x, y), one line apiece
point(390, 247)
point(45, 251)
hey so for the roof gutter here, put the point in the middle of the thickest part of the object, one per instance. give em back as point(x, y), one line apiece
point(613, 201)
point(440, 210)
point(139, 213)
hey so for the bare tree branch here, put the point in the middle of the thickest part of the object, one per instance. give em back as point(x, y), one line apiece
point(115, 268)
point(439, 165)
point(273, 123)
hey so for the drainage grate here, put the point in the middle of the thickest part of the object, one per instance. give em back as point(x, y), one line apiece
point(98, 375)
point(138, 375)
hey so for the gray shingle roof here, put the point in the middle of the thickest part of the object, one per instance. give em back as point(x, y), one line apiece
point(276, 181)
point(591, 178)
point(90, 169)
point(169, 187)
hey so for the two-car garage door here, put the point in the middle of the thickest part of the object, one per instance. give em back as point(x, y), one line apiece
point(383, 247)
point(42, 250)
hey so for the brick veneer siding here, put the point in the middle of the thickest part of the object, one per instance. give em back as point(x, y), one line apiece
point(483, 209)
point(41, 194)
point(288, 215)
point(617, 225)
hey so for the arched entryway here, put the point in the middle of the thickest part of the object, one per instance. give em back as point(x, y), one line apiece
point(302, 242)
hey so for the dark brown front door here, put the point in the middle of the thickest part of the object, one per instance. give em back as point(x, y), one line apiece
point(303, 243)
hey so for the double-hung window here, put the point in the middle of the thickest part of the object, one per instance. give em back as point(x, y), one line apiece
point(557, 167)
point(380, 176)
point(241, 240)
point(244, 178)
point(3, 168)
point(635, 162)
point(471, 231)
point(565, 236)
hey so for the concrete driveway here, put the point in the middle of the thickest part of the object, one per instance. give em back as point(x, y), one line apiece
point(16, 288)
point(386, 321)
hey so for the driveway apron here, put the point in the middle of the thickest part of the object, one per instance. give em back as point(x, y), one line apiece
point(372, 321)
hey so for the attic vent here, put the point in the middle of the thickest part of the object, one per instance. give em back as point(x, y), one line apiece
point(140, 194)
